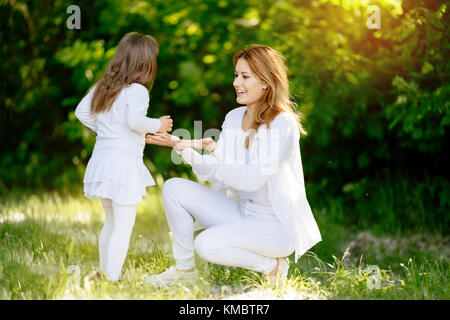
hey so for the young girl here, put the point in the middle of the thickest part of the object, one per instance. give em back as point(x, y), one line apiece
point(115, 108)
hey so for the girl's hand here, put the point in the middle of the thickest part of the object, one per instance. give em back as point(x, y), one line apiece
point(166, 124)
point(162, 139)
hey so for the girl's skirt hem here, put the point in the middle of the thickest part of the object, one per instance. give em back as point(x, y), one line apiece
point(115, 176)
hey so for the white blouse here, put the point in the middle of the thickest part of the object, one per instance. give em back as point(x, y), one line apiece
point(116, 169)
point(259, 197)
point(125, 124)
point(274, 162)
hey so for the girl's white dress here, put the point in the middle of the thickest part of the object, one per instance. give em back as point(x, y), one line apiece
point(116, 169)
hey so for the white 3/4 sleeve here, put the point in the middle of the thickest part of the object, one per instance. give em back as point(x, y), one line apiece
point(137, 105)
point(203, 165)
point(272, 150)
point(83, 112)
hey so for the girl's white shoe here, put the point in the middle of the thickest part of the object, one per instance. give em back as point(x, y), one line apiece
point(279, 278)
point(172, 275)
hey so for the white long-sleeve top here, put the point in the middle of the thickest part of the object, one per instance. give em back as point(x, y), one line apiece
point(116, 169)
point(274, 162)
point(123, 126)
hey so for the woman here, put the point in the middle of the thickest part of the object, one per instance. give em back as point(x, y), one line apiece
point(258, 156)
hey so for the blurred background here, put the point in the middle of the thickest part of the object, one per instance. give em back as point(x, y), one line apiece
point(375, 102)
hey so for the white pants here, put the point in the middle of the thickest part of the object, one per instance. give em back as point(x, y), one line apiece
point(115, 237)
point(237, 234)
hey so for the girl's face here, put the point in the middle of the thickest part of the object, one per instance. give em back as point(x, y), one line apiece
point(249, 89)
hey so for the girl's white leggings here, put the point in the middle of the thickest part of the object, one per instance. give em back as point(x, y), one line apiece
point(237, 234)
point(115, 237)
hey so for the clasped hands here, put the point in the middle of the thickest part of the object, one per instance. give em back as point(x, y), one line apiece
point(162, 138)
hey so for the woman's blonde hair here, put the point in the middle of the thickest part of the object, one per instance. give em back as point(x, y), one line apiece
point(269, 66)
point(134, 61)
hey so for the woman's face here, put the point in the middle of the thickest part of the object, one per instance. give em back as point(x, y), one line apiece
point(249, 89)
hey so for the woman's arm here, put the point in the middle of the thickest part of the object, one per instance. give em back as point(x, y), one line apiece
point(168, 140)
point(204, 144)
point(272, 150)
point(162, 139)
point(83, 112)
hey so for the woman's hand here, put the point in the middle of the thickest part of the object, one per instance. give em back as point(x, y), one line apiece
point(208, 144)
point(183, 144)
point(205, 144)
point(162, 139)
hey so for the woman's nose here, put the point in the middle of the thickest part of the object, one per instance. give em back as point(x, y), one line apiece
point(236, 82)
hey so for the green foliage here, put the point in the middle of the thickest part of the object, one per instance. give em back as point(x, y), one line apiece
point(423, 117)
point(374, 101)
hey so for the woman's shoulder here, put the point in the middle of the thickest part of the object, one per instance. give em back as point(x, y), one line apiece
point(235, 113)
point(284, 119)
point(285, 124)
point(233, 117)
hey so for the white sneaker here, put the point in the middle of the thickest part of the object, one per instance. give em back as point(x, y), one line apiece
point(172, 275)
point(281, 275)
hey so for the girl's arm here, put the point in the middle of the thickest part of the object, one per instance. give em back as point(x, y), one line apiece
point(137, 105)
point(83, 112)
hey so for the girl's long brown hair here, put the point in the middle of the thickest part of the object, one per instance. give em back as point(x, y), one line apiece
point(134, 61)
point(270, 67)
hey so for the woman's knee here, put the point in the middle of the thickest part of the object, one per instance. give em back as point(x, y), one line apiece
point(171, 187)
point(205, 246)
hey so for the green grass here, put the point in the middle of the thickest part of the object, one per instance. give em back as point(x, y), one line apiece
point(49, 250)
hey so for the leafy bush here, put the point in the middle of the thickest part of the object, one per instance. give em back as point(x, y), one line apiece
point(374, 101)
